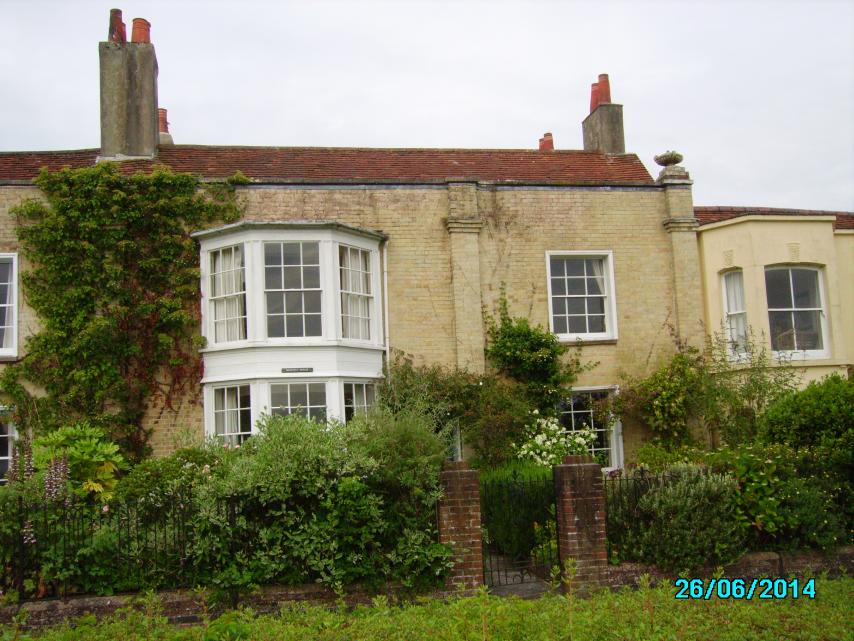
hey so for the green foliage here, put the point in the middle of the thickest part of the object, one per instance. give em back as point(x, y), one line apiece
point(708, 390)
point(533, 357)
point(94, 462)
point(657, 456)
point(156, 481)
point(681, 521)
point(340, 511)
point(114, 281)
point(549, 443)
point(820, 414)
point(517, 500)
point(649, 613)
point(491, 413)
point(786, 498)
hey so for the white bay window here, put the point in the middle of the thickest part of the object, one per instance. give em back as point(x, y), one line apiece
point(303, 333)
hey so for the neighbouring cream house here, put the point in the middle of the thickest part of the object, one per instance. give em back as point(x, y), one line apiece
point(344, 254)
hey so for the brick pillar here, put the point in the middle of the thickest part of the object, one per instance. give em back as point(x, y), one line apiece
point(580, 506)
point(459, 524)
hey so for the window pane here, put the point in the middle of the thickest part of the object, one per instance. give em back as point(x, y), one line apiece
point(299, 395)
point(574, 266)
point(560, 324)
point(293, 278)
point(577, 325)
point(310, 253)
point(575, 306)
point(275, 326)
point(273, 278)
point(575, 286)
point(291, 253)
point(782, 332)
point(312, 325)
point(808, 330)
point(293, 302)
point(778, 289)
point(293, 325)
point(805, 282)
point(272, 254)
point(275, 303)
point(597, 324)
point(5, 271)
point(279, 395)
point(559, 305)
point(595, 305)
point(558, 286)
point(556, 266)
point(348, 393)
point(311, 277)
point(317, 394)
point(312, 302)
point(593, 286)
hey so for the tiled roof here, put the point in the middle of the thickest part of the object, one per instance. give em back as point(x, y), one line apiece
point(355, 165)
point(709, 215)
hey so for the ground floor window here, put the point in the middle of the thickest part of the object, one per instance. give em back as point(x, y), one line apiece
point(233, 413)
point(585, 408)
point(7, 438)
point(358, 397)
point(307, 399)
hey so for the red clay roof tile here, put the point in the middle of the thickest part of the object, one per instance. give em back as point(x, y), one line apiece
point(709, 215)
point(355, 165)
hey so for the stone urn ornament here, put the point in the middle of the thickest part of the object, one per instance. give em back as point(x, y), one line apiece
point(668, 158)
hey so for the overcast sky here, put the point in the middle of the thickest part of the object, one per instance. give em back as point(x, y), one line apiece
point(758, 96)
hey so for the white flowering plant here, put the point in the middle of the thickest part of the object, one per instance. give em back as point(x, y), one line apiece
point(549, 441)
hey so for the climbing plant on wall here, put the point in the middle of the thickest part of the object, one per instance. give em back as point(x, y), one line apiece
point(112, 274)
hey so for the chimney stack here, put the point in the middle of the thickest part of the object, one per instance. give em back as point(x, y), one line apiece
point(603, 128)
point(547, 143)
point(129, 127)
point(165, 136)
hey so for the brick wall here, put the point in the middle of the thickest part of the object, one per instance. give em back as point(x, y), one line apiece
point(580, 507)
point(459, 524)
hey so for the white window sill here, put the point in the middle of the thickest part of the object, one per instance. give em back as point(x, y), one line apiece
point(294, 342)
point(587, 339)
point(802, 355)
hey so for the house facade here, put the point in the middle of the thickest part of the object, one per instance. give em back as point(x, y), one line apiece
point(343, 255)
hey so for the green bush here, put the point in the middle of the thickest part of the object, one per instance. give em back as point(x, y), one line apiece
point(681, 521)
point(515, 499)
point(821, 413)
point(308, 502)
point(657, 456)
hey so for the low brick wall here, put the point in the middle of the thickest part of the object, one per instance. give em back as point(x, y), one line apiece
point(754, 564)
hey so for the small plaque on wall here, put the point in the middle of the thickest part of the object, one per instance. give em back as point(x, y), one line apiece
point(297, 370)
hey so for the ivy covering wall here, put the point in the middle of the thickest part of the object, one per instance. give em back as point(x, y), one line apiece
point(112, 274)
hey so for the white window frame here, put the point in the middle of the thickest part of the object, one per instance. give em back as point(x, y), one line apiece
point(285, 291)
point(346, 294)
point(308, 407)
point(616, 428)
point(800, 354)
point(11, 437)
point(610, 294)
point(213, 300)
point(733, 351)
point(11, 352)
point(232, 438)
point(358, 409)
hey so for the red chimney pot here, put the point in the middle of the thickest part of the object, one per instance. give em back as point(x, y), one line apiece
point(594, 96)
point(547, 143)
point(604, 88)
point(161, 120)
point(141, 30)
point(116, 32)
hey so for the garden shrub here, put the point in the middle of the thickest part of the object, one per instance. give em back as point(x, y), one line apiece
point(515, 498)
point(683, 521)
point(821, 413)
point(308, 502)
point(657, 456)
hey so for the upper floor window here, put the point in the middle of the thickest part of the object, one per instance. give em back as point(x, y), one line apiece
point(795, 310)
point(228, 294)
point(581, 294)
point(8, 305)
point(356, 297)
point(735, 316)
point(292, 289)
